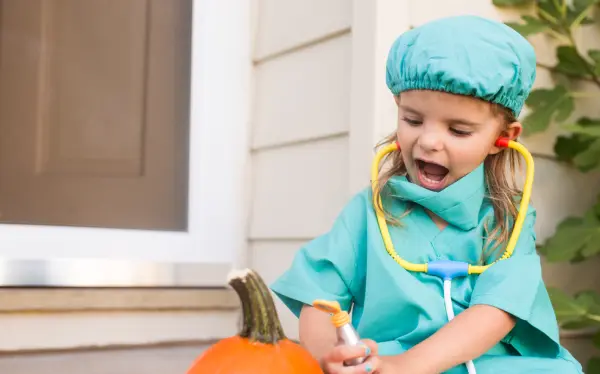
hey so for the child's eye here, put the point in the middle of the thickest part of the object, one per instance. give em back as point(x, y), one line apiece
point(413, 122)
point(460, 132)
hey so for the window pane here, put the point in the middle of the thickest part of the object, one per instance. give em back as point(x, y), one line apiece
point(94, 102)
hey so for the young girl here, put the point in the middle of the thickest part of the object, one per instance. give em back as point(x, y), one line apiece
point(459, 84)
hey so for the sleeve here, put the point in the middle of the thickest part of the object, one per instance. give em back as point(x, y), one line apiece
point(515, 285)
point(324, 268)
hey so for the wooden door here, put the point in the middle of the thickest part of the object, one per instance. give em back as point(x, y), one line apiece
point(94, 101)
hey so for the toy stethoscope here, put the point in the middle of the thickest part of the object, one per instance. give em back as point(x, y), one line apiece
point(445, 269)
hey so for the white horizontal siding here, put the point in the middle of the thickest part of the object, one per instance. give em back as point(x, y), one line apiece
point(303, 95)
point(285, 24)
point(300, 127)
point(422, 11)
point(298, 190)
point(75, 330)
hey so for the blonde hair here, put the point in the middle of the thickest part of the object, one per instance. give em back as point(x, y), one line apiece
point(500, 171)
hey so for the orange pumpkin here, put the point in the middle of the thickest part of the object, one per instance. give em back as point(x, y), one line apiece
point(261, 345)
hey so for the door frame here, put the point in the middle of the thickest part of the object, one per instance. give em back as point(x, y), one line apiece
point(215, 240)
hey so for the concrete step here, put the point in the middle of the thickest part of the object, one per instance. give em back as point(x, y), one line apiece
point(143, 360)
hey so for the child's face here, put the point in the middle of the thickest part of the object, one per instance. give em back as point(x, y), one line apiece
point(443, 136)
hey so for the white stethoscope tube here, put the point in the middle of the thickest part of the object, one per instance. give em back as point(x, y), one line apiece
point(450, 314)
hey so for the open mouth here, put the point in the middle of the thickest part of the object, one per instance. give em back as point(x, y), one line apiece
point(431, 175)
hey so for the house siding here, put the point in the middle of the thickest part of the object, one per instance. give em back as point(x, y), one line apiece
point(300, 128)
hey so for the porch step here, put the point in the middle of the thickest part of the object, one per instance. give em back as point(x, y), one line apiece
point(70, 319)
point(143, 360)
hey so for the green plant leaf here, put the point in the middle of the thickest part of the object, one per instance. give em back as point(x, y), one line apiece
point(593, 366)
point(573, 236)
point(501, 3)
point(596, 340)
point(570, 62)
point(566, 308)
point(567, 147)
point(531, 26)
point(547, 104)
point(595, 56)
point(590, 300)
point(575, 239)
point(578, 325)
point(579, 11)
point(548, 10)
point(587, 121)
point(566, 243)
point(590, 219)
point(593, 131)
point(589, 158)
point(592, 248)
point(576, 312)
point(581, 5)
point(596, 207)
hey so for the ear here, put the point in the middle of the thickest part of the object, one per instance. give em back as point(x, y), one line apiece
point(512, 132)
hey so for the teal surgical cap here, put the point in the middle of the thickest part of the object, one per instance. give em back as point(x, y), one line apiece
point(466, 55)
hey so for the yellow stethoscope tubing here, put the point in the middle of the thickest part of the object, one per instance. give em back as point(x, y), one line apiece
point(473, 269)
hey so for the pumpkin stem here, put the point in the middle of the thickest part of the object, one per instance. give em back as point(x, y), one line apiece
point(260, 320)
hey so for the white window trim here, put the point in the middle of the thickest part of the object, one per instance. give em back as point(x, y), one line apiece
point(375, 26)
point(215, 240)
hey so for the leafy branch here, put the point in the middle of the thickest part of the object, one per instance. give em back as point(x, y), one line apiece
point(557, 19)
point(575, 239)
point(579, 311)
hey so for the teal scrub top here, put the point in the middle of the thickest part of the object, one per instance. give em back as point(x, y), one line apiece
point(398, 308)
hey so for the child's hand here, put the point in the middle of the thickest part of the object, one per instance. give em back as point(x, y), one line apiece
point(333, 362)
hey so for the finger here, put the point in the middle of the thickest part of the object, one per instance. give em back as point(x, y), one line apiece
point(333, 368)
point(372, 365)
point(343, 353)
point(372, 346)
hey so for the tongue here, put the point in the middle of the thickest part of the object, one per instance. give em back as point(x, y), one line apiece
point(434, 171)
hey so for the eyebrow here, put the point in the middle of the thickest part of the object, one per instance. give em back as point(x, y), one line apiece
point(451, 120)
point(461, 121)
point(409, 109)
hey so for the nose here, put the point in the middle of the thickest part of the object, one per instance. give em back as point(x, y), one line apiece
point(431, 140)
